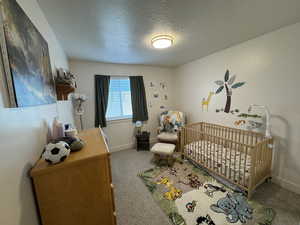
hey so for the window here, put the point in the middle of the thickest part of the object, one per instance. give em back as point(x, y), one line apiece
point(119, 99)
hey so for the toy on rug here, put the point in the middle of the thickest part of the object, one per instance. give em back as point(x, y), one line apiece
point(173, 192)
point(56, 152)
point(190, 206)
point(234, 206)
point(205, 220)
point(211, 189)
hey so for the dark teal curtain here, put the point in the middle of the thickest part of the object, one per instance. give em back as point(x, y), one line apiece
point(101, 99)
point(138, 99)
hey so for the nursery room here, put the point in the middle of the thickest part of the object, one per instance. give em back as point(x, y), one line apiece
point(162, 112)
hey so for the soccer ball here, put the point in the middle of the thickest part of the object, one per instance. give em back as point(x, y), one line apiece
point(56, 153)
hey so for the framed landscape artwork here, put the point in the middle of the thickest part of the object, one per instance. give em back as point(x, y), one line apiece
point(25, 57)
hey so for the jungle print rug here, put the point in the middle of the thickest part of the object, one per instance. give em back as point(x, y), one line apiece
point(190, 196)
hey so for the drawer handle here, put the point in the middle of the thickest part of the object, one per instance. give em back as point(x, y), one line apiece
point(115, 214)
point(112, 186)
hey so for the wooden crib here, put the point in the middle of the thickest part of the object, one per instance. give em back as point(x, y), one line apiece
point(243, 158)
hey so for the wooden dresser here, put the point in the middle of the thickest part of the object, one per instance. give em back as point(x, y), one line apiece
point(78, 191)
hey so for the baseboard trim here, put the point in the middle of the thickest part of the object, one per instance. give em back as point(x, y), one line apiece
point(121, 147)
point(287, 184)
point(128, 146)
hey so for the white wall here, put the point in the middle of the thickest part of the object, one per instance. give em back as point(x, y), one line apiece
point(23, 134)
point(270, 66)
point(121, 133)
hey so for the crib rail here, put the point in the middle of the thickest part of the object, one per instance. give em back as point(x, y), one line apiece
point(242, 157)
point(261, 163)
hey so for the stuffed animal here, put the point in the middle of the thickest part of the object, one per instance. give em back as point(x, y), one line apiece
point(75, 143)
point(56, 152)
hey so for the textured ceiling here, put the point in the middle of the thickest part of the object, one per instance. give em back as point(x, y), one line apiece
point(120, 31)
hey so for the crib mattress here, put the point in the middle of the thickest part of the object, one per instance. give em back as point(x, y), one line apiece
point(231, 164)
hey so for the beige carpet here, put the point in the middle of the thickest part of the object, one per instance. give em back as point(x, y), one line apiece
point(135, 205)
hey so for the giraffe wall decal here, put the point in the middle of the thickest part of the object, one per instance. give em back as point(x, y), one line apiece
point(205, 102)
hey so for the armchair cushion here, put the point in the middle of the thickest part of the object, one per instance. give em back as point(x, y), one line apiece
point(167, 137)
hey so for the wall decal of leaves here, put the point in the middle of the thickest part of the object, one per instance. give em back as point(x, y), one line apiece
point(231, 80)
point(226, 77)
point(237, 85)
point(219, 82)
point(228, 85)
point(219, 89)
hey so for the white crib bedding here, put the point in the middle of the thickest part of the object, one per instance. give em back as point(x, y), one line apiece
point(214, 156)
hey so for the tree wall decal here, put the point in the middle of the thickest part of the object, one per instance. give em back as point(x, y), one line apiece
point(228, 84)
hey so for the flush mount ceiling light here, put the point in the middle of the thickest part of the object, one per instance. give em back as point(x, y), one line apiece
point(162, 41)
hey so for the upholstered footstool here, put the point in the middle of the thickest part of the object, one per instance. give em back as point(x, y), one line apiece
point(163, 151)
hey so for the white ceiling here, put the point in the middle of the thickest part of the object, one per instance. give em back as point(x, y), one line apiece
point(120, 31)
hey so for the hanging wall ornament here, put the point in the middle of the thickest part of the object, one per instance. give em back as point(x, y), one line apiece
point(163, 85)
point(228, 84)
point(155, 95)
point(152, 85)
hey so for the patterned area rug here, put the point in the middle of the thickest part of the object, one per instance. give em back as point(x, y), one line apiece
point(190, 196)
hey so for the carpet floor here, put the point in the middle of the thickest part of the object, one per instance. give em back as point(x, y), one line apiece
point(135, 205)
